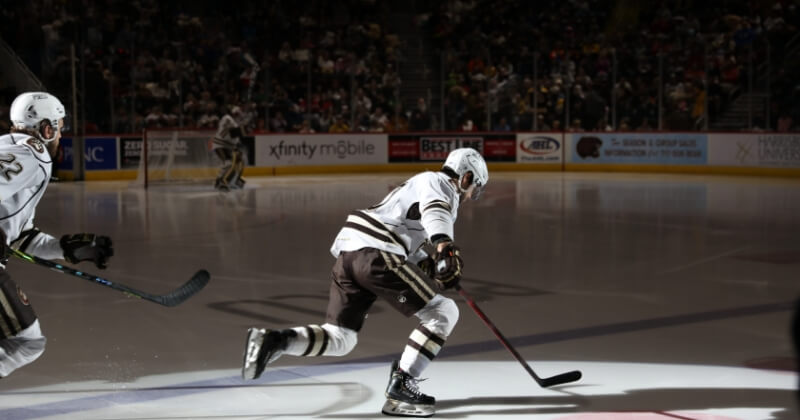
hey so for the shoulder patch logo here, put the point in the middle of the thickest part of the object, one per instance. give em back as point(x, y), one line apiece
point(36, 144)
point(23, 297)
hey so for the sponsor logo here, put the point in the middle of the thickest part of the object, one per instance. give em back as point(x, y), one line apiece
point(132, 148)
point(403, 148)
point(437, 148)
point(539, 145)
point(743, 151)
point(779, 149)
point(589, 147)
point(341, 149)
point(95, 154)
point(401, 299)
point(166, 147)
point(23, 297)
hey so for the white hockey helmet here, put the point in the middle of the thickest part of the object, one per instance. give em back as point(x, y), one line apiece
point(32, 109)
point(465, 160)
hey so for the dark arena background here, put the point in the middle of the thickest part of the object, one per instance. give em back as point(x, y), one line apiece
point(641, 223)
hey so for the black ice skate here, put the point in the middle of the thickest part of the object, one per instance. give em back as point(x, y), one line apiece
point(262, 348)
point(403, 397)
point(221, 185)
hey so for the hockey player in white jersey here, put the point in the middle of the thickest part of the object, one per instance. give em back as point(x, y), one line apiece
point(382, 252)
point(37, 119)
point(228, 147)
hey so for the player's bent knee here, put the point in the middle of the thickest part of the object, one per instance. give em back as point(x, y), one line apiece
point(342, 340)
point(440, 315)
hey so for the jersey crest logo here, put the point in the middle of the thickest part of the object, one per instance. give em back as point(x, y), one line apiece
point(36, 145)
point(23, 297)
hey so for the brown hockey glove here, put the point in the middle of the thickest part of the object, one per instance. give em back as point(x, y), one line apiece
point(448, 266)
point(87, 247)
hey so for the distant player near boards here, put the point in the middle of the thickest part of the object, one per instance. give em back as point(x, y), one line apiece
point(401, 250)
point(227, 146)
point(26, 163)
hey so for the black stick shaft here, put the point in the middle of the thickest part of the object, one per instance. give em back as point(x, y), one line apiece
point(197, 282)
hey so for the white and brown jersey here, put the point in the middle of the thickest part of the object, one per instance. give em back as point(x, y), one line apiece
point(228, 133)
point(25, 168)
point(422, 208)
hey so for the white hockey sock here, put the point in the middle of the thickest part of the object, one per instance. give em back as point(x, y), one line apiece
point(438, 318)
point(325, 340)
point(421, 349)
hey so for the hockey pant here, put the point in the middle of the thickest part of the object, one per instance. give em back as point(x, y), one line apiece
point(21, 339)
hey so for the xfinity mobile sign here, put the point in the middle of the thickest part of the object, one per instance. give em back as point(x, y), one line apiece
point(321, 149)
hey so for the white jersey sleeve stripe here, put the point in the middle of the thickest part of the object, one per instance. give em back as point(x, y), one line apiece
point(437, 205)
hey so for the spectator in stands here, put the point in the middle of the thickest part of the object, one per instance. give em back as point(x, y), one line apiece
point(158, 54)
point(339, 126)
point(278, 123)
point(502, 125)
point(420, 118)
point(784, 122)
point(305, 127)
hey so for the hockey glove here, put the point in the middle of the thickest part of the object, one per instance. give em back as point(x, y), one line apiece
point(87, 247)
point(448, 266)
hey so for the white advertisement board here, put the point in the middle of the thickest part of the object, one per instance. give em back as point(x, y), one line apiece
point(540, 147)
point(320, 149)
point(637, 148)
point(762, 150)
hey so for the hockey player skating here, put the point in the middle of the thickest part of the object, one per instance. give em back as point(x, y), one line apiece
point(227, 146)
point(381, 252)
point(26, 165)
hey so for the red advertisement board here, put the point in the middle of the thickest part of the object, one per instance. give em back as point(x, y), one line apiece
point(435, 147)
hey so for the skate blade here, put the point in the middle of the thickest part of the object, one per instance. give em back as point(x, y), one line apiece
point(250, 364)
point(402, 409)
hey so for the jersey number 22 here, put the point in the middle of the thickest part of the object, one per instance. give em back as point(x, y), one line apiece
point(9, 166)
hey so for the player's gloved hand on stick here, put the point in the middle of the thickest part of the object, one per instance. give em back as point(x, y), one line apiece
point(448, 266)
point(87, 247)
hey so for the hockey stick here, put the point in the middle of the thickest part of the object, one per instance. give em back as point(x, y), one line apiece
point(543, 382)
point(173, 298)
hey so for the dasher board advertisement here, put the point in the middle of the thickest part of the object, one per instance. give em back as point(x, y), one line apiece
point(320, 149)
point(540, 147)
point(638, 148)
point(761, 150)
